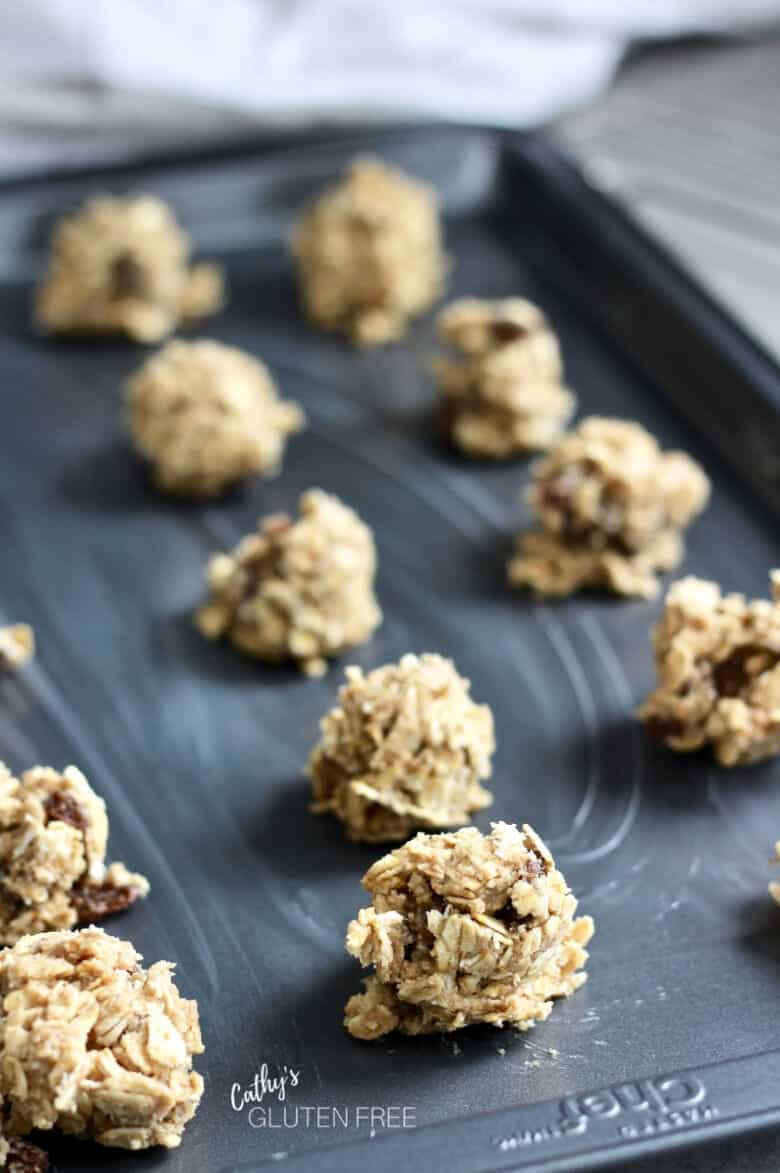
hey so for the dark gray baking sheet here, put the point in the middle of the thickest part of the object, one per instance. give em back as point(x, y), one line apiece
point(199, 753)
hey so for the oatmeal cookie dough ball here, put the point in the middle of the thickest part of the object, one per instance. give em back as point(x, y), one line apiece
point(53, 836)
point(369, 253)
point(718, 663)
point(296, 590)
point(404, 749)
point(465, 928)
point(611, 508)
point(121, 266)
point(17, 646)
point(500, 391)
point(93, 1044)
point(207, 416)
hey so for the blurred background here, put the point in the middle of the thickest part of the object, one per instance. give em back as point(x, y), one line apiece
point(672, 105)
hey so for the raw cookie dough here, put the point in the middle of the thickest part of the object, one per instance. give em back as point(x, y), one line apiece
point(121, 266)
point(405, 749)
point(17, 646)
point(611, 508)
point(465, 928)
point(369, 253)
point(296, 590)
point(718, 663)
point(207, 416)
point(501, 392)
point(93, 1044)
point(53, 836)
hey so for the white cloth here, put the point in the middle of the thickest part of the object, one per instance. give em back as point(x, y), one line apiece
point(92, 79)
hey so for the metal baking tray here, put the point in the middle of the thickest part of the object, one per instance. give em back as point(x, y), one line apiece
point(199, 753)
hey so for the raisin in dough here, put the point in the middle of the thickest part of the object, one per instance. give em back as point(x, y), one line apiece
point(20, 1156)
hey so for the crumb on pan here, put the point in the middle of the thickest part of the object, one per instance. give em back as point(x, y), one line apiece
point(17, 646)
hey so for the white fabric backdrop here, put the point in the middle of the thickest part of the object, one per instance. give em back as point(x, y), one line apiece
point(91, 79)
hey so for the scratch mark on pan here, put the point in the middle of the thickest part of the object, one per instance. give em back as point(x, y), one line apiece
point(373, 461)
point(715, 797)
point(670, 906)
point(14, 742)
point(486, 507)
point(612, 666)
point(66, 721)
point(317, 1074)
point(235, 941)
point(480, 504)
point(222, 532)
point(579, 683)
point(618, 679)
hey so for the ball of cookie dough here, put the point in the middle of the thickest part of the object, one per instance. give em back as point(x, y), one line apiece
point(369, 253)
point(121, 266)
point(718, 663)
point(93, 1044)
point(611, 508)
point(465, 928)
point(17, 646)
point(53, 836)
point(207, 416)
point(500, 391)
point(296, 590)
point(404, 749)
